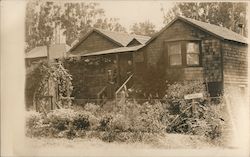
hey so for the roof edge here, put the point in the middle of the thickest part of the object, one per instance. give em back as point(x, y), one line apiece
point(189, 22)
point(88, 34)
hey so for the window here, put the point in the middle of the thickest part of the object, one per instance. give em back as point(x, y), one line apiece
point(174, 54)
point(193, 53)
point(183, 53)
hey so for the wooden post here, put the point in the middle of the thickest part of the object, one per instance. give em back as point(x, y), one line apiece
point(118, 70)
point(193, 108)
point(51, 102)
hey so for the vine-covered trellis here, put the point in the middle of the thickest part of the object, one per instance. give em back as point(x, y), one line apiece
point(51, 86)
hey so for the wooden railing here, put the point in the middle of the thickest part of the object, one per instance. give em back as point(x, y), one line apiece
point(123, 87)
point(101, 93)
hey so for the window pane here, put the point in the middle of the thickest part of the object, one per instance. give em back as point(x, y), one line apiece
point(174, 49)
point(192, 59)
point(175, 59)
point(192, 48)
point(174, 54)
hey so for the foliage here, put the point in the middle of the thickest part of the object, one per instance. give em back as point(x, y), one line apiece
point(80, 67)
point(226, 14)
point(130, 121)
point(150, 84)
point(143, 28)
point(35, 125)
point(206, 119)
point(34, 75)
point(177, 90)
point(33, 119)
point(43, 74)
point(57, 74)
point(74, 19)
point(145, 118)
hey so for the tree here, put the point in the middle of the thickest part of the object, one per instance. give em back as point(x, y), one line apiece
point(226, 14)
point(39, 23)
point(74, 18)
point(143, 28)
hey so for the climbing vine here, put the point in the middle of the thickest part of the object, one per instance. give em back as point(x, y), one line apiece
point(80, 67)
point(50, 80)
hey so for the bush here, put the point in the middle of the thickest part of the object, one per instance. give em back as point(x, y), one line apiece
point(61, 118)
point(36, 126)
point(207, 119)
point(119, 123)
point(81, 122)
point(131, 117)
point(33, 119)
point(90, 107)
point(149, 118)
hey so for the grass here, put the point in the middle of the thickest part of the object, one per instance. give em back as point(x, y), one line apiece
point(62, 146)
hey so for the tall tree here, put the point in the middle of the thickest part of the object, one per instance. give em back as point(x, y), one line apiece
point(226, 14)
point(74, 18)
point(143, 28)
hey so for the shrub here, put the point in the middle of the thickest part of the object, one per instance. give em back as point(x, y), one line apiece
point(90, 107)
point(61, 118)
point(81, 122)
point(37, 125)
point(33, 119)
point(206, 121)
point(119, 122)
point(105, 122)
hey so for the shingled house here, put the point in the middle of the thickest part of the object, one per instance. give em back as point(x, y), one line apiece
point(116, 50)
point(193, 50)
point(186, 49)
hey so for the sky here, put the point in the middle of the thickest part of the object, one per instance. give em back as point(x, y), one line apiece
point(130, 12)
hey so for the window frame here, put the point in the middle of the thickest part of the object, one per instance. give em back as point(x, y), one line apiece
point(183, 44)
point(168, 55)
point(199, 54)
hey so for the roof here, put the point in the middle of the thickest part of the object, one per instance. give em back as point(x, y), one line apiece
point(124, 38)
point(40, 51)
point(121, 39)
point(221, 32)
point(110, 51)
point(56, 51)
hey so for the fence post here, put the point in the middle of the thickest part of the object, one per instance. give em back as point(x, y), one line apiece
point(51, 102)
point(193, 108)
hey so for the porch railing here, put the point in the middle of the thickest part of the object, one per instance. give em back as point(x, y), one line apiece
point(124, 88)
point(101, 94)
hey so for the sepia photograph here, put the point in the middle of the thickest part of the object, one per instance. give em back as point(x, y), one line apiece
point(124, 78)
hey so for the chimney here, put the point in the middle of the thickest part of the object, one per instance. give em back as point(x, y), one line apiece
point(59, 37)
point(240, 25)
point(241, 28)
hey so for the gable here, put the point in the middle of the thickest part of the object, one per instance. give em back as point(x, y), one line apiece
point(92, 43)
point(214, 30)
point(178, 30)
point(134, 42)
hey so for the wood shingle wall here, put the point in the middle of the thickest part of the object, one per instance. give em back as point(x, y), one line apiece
point(235, 63)
point(211, 59)
point(180, 31)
